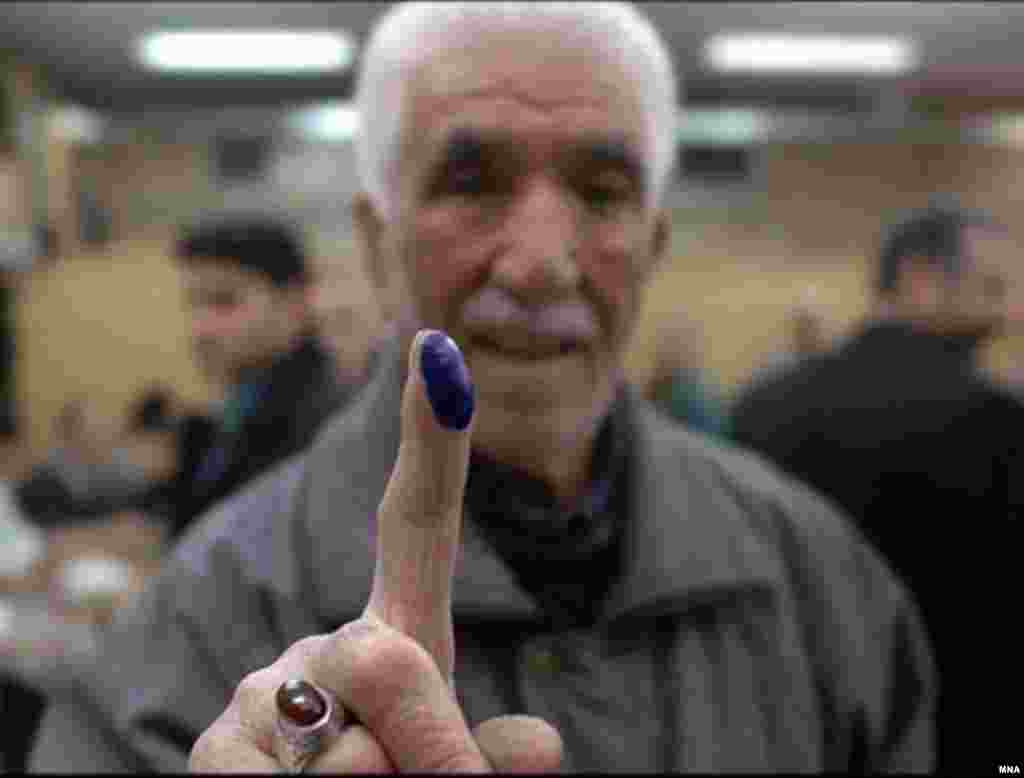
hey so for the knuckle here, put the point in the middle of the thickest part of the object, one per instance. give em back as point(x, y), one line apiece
point(372, 654)
point(253, 690)
point(203, 751)
point(388, 665)
point(302, 648)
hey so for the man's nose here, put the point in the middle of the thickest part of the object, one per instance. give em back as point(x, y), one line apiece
point(539, 259)
point(205, 323)
point(1014, 312)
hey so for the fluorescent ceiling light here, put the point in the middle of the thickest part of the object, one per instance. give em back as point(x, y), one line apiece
point(331, 122)
point(729, 127)
point(253, 51)
point(1006, 129)
point(756, 53)
point(76, 124)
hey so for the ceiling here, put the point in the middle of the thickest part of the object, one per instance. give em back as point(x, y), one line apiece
point(86, 48)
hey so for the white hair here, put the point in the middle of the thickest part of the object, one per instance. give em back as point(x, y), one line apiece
point(410, 33)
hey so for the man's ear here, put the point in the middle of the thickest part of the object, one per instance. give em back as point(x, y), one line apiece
point(661, 238)
point(381, 260)
point(369, 234)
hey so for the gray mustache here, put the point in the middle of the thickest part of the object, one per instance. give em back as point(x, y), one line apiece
point(492, 308)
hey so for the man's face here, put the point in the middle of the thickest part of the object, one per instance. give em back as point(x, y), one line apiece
point(240, 321)
point(984, 301)
point(523, 225)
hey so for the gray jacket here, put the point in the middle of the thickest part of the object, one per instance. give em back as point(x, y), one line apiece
point(751, 629)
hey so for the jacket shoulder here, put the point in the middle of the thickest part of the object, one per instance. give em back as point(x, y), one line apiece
point(798, 523)
point(249, 524)
point(860, 624)
point(826, 560)
point(750, 478)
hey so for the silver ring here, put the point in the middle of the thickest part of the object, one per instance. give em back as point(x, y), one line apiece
point(300, 741)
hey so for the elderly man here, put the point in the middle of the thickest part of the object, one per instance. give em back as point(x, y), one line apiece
point(531, 570)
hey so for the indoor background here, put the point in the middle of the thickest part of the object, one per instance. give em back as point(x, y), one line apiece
point(784, 181)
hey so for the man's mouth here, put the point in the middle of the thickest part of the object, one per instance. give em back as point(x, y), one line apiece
point(498, 324)
point(529, 349)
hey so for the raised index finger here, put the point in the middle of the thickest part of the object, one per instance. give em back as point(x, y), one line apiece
point(419, 519)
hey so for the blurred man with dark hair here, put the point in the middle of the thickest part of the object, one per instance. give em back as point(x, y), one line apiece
point(254, 331)
point(248, 290)
point(899, 427)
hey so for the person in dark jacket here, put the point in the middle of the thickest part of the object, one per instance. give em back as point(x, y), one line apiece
point(94, 472)
point(247, 286)
point(254, 330)
point(897, 426)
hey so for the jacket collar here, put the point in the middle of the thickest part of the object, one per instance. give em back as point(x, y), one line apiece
point(274, 392)
point(685, 536)
point(688, 538)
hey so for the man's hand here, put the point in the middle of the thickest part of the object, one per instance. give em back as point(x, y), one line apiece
point(392, 668)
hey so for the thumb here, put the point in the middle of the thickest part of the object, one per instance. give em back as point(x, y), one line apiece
point(519, 744)
point(419, 518)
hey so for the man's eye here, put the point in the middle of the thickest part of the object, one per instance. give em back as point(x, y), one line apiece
point(223, 301)
point(994, 287)
point(602, 196)
point(467, 181)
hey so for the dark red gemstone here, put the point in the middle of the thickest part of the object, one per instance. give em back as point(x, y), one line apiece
point(300, 702)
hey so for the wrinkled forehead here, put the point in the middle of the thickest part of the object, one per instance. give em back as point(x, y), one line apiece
point(546, 82)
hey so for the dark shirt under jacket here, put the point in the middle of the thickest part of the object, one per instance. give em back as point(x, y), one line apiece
point(298, 393)
point(565, 555)
point(899, 428)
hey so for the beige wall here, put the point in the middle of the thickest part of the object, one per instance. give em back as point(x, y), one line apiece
point(148, 187)
point(15, 212)
point(101, 325)
point(817, 222)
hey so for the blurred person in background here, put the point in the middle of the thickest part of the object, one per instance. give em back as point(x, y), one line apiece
point(254, 333)
point(8, 416)
point(808, 334)
point(150, 441)
point(666, 603)
point(679, 384)
point(95, 475)
point(85, 476)
point(808, 325)
point(96, 469)
point(898, 426)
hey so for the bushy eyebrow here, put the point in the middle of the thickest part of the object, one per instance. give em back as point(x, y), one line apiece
point(586, 154)
point(611, 153)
